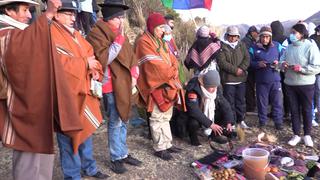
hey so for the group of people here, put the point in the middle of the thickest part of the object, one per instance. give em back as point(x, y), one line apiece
point(57, 90)
point(263, 69)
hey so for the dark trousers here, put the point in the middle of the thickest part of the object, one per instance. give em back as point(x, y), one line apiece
point(301, 103)
point(235, 94)
point(193, 125)
point(269, 93)
point(251, 103)
point(286, 103)
point(178, 123)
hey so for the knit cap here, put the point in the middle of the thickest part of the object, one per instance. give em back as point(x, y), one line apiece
point(252, 29)
point(203, 31)
point(154, 20)
point(211, 79)
point(265, 30)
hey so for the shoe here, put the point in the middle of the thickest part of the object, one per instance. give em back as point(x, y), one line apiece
point(295, 140)
point(118, 167)
point(197, 144)
point(244, 125)
point(308, 141)
point(279, 127)
point(314, 123)
point(164, 155)
point(132, 161)
point(174, 149)
point(262, 125)
point(100, 175)
point(194, 140)
point(219, 139)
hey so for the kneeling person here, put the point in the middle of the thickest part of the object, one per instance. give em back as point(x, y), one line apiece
point(207, 107)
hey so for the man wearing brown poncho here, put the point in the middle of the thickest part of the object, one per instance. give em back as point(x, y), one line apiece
point(35, 98)
point(159, 84)
point(117, 57)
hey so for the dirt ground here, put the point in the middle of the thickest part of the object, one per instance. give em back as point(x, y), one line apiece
point(154, 168)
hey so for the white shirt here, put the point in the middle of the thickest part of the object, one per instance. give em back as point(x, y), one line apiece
point(86, 5)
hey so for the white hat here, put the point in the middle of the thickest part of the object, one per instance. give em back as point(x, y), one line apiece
point(233, 31)
point(203, 31)
point(30, 2)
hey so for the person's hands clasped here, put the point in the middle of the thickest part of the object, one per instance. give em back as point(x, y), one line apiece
point(240, 72)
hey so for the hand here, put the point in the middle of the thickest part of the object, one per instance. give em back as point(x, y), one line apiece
point(229, 127)
point(262, 64)
point(52, 8)
point(134, 82)
point(284, 65)
point(93, 63)
point(216, 129)
point(275, 62)
point(95, 75)
point(239, 72)
point(296, 68)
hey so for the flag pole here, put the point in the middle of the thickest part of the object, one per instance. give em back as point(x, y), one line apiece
point(195, 23)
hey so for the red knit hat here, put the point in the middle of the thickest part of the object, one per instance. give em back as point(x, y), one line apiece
point(154, 20)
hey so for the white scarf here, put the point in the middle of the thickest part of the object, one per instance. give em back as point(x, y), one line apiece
point(12, 22)
point(71, 29)
point(232, 45)
point(209, 106)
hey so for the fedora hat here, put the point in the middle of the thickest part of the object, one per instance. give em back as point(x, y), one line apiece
point(68, 5)
point(30, 2)
point(113, 8)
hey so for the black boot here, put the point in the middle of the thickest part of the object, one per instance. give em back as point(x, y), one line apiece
point(194, 139)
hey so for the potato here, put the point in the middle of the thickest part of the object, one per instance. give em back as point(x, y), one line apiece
point(274, 170)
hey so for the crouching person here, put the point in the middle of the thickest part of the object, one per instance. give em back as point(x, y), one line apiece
point(207, 107)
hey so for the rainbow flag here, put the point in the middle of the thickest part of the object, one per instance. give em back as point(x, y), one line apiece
point(187, 4)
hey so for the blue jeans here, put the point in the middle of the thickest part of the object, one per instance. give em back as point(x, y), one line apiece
point(117, 130)
point(71, 163)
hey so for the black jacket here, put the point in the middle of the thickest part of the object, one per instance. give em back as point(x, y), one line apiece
point(223, 110)
point(248, 40)
point(316, 38)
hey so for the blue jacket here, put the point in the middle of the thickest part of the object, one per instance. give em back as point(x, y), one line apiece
point(259, 53)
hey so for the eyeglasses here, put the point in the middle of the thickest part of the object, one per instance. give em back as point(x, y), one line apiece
point(69, 14)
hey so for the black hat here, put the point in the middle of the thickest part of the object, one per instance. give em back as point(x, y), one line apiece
point(252, 29)
point(68, 5)
point(113, 8)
